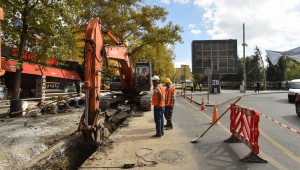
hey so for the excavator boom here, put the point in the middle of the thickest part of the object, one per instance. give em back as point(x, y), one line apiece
point(95, 55)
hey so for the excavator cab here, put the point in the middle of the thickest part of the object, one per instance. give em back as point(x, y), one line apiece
point(143, 72)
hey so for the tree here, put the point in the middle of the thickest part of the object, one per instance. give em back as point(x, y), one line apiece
point(293, 70)
point(43, 24)
point(136, 24)
point(38, 26)
point(161, 56)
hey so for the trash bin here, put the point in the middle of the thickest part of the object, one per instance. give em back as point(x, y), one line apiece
point(15, 108)
point(215, 90)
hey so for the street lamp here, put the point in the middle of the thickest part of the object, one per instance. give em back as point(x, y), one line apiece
point(244, 69)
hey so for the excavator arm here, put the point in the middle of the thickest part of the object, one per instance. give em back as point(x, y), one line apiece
point(95, 54)
point(92, 83)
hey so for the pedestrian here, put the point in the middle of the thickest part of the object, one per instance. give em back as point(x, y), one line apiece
point(184, 87)
point(170, 102)
point(257, 86)
point(279, 85)
point(200, 86)
point(158, 101)
point(195, 86)
point(192, 87)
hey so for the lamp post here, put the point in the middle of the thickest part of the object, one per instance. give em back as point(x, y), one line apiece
point(244, 69)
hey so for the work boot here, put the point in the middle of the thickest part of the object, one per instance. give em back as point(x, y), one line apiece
point(167, 125)
point(170, 126)
point(156, 136)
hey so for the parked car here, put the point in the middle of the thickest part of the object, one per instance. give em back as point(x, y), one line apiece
point(177, 85)
point(293, 90)
point(297, 104)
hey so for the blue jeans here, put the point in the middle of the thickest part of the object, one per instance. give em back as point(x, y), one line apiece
point(159, 119)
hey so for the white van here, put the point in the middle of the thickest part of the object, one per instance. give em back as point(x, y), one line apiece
point(294, 90)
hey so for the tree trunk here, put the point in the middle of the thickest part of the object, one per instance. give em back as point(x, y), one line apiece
point(17, 84)
point(23, 38)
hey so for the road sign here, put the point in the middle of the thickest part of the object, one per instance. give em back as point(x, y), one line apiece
point(220, 55)
point(208, 71)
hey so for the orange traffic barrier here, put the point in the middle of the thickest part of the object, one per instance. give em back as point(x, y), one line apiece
point(191, 100)
point(215, 116)
point(244, 128)
point(203, 105)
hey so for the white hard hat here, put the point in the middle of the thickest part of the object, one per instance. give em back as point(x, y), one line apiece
point(156, 78)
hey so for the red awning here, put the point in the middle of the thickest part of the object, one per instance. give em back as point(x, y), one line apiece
point(70, 75)
point(28, 68)
point(31, 69)
point(52, 72)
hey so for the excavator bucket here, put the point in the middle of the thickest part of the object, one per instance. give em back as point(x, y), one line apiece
point(143, 72)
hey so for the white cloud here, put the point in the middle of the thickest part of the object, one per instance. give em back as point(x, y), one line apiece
point(195, 32)
point(165, 1)
point(192, 26)
point(269, 24)
point(181, 1)
point(203, 3)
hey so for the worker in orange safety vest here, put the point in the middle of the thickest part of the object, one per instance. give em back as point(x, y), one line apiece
point(158, 101)
point(170, 102)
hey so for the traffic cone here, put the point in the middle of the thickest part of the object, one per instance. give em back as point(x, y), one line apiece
point(191, 101)
point(215, 116)
point(203, 105)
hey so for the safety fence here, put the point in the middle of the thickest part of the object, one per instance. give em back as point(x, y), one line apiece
point(244, 128)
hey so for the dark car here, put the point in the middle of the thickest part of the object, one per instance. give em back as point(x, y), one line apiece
point(297, 104)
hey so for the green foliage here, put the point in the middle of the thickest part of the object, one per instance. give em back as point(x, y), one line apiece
point(45, 30)
point(293, 70)
point(160, 56)
point(254, 66)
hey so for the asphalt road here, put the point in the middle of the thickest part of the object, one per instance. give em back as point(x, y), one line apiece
point(278, 145)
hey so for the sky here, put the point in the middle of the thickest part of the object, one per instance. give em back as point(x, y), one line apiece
point(269, 24)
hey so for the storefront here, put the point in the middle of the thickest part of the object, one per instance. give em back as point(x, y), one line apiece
point(31, 81)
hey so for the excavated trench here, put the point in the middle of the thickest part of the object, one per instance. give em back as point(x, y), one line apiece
point(70, 153)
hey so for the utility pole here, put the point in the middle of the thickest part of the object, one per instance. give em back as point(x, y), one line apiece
point(244, 70)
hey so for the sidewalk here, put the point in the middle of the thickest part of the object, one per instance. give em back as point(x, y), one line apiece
point(133, 144)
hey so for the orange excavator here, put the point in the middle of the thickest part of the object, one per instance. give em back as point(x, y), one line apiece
point(132, 84)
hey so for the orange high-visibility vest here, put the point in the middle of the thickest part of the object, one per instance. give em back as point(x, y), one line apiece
point(156, 95)
point(169, 102)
